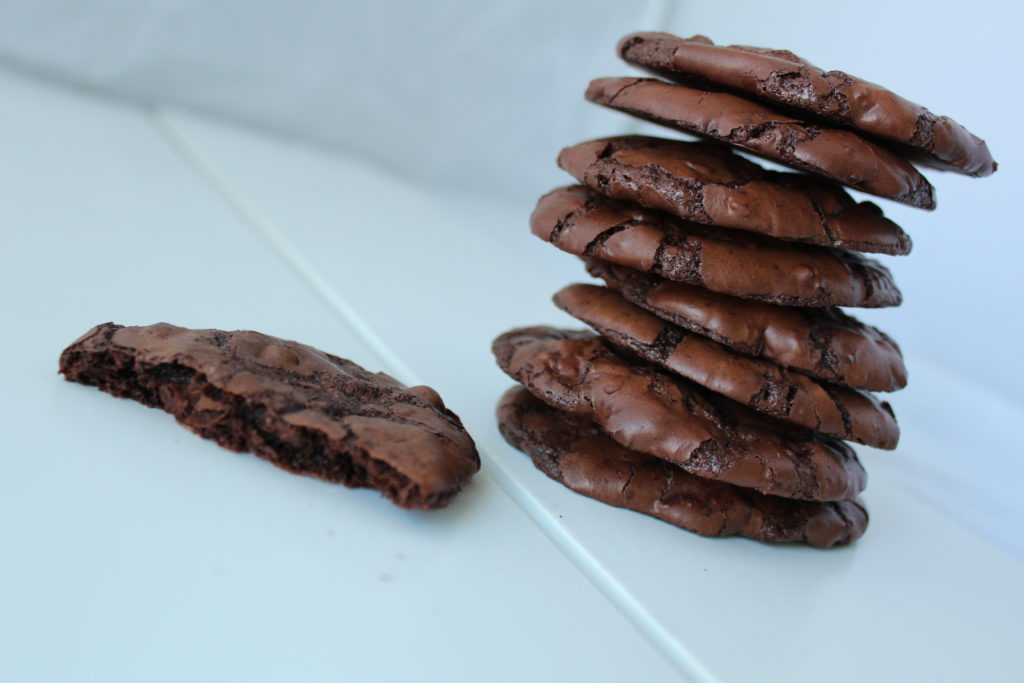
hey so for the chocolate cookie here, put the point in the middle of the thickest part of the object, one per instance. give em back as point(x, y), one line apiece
point(823, 342)
point(782, 79)
point(707, 183)
point(834, 153)
point(582, 222)
point(759, 384)
point(574, 452)
point(661, 414)
point(304, 410)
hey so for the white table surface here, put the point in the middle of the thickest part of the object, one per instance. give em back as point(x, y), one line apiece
point(132, 550)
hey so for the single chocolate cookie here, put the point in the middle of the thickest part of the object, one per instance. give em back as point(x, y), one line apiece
point(759, 384)
point(573, 451)
point(833, 153)
point(304, 410)
point(707, 183)
point(664, 415)
point(582, 222)
point(782, 79)
point(823, 342)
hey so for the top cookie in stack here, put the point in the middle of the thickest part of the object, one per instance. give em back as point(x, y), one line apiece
point(781, 79)
point(722, 379)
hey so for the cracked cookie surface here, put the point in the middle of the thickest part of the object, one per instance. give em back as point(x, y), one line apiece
point(661, 414)
point(823, 342)
point(582, 222)
point(761, 385)
point(575, 452)
point(304, 410)
point(782, 79)
point(834, 153)
point(707, 183)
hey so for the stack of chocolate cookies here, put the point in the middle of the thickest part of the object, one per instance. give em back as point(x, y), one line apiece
point(721, 379)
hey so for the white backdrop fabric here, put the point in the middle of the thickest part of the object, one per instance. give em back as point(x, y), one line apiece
point(465, 94)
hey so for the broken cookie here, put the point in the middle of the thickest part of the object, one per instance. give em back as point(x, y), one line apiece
point(304, 410)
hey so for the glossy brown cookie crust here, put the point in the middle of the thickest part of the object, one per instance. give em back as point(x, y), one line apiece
point(304, 410)
point(708, 183)
point(575, 452)
point(782, 79)
point(823, 342)
point(834, 153)
point(761, 385)
point(658, 413)
point(582, 222)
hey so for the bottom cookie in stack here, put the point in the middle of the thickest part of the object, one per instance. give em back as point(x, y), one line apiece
point(758, 477)
point(573, 451)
